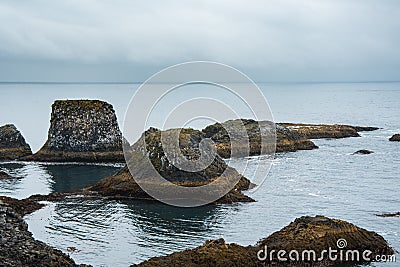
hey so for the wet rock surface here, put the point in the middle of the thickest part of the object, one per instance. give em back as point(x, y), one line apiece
point(149, 145)
point(305, 233)
point(395, 138)
point(19, 249)
point(82, 131)
point(12, 143)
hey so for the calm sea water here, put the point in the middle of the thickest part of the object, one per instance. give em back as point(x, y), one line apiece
point(327, 181)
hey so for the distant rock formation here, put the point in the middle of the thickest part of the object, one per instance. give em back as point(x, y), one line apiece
point(82, 131)
point(328, 131)
point(363, 152)
point(304, 234)
point(19, 248)
point(395, 138)
point(286, 139)
point(396, 214)
point(12, 143)
point(122, 184)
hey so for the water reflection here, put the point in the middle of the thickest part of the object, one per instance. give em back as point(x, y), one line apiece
point(70, 177)
point(133, 230)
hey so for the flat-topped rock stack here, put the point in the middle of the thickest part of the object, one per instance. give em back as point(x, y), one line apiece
point(82, 131)
point(12, 143)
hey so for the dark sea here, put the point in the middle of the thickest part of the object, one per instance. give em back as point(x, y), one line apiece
point(328, 181)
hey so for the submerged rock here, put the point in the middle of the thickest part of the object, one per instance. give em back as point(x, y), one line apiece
point(395, 138)
point(19, 249)
point(82, 131)
point(304, 234)
point(248, 143)
point(12, 143)
point(149, 146)
point(4, 175)
point(397, 214)
point(363, 152)
point(334, 131)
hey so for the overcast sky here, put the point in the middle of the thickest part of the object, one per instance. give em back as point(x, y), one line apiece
point(125, 40)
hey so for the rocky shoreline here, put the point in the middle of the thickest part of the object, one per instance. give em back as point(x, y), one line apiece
point(18, 247)
point(303, 234)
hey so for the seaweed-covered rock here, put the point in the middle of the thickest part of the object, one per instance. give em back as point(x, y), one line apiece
point(259, 138)
point(304, 234)
point(82, 131)
point(334, 131)
point(320, 233)
point(395, 138)
point(18, 247)
point(149, 146)
point(12, 143)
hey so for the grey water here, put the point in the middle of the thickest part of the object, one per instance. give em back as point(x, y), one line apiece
point(328, 181)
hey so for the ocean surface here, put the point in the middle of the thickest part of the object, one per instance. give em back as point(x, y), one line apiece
point(328, 181)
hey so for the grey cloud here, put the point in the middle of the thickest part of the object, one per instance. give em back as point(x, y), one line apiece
point(275, 36)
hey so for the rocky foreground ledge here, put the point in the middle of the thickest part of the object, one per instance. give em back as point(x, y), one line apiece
point(81, 131)
point(12, 143)
point(304, 234)
point(19, 249)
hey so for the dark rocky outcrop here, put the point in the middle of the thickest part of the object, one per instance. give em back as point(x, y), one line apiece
point(395, 138)
point(304, 234)
point(396, 214)
point(19, 249)
point(320, 233)
point(12, 143)
point(328, 131)
point(122, 184)
point(4, 175)
point(363, 152)
point(82, 131)
point(286, 139)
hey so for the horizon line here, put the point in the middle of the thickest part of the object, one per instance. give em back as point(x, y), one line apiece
point(140, 82)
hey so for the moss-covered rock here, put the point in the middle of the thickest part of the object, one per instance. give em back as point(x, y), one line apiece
point(149, 146)
point(12, 143)
point(82, 131)
point(260, 138)
point(304, 234)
